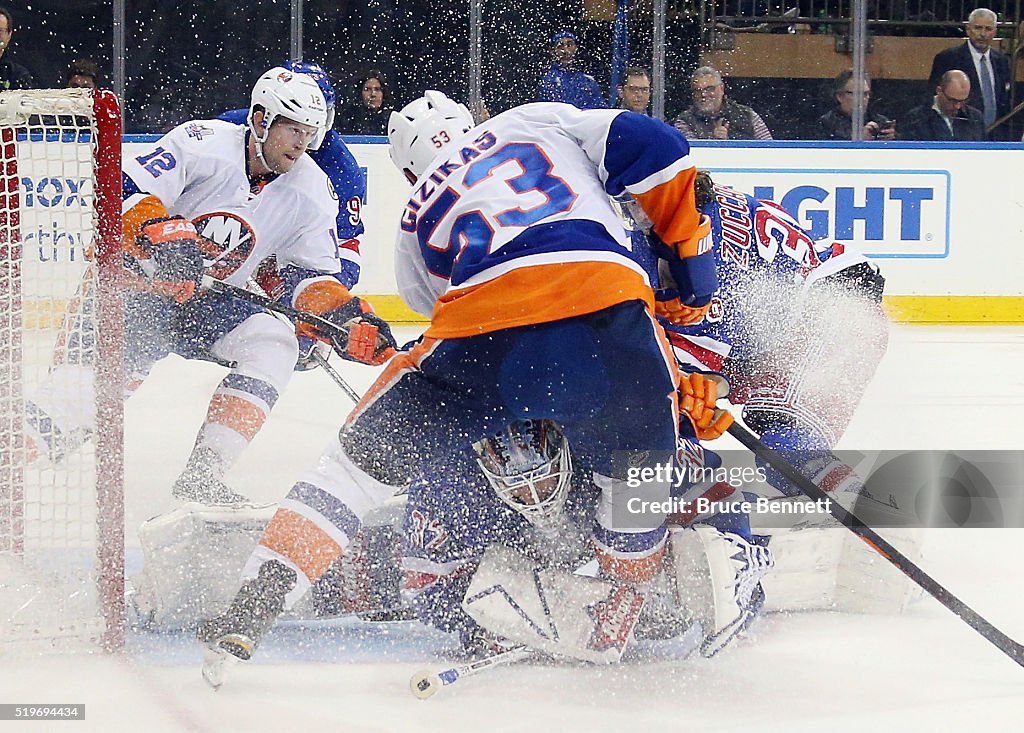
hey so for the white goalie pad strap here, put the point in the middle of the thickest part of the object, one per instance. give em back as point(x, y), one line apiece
point(717, 579)
point(553, 611)
point(194, 557)
point(831, 569)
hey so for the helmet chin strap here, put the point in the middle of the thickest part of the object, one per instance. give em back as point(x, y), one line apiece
point(259, 152)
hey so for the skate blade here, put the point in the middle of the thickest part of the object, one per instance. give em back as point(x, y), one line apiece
point(216, 665)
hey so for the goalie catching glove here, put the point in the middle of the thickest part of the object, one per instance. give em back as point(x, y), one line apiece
point(697, 396)
point(172, 244)
point(361, 335)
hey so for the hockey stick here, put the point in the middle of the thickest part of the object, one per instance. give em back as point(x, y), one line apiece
point(339, 380)
point(270, 304)
point(972, 618)
point(219, 286)
point(425, 683)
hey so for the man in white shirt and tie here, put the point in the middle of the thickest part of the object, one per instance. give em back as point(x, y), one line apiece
point(987, 68)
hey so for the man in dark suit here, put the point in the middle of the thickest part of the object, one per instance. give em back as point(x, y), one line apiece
point(948, 117)
point(12, 74)
point(987, 68)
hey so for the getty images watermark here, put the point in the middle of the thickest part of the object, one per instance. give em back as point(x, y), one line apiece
point(909, 489)
point(688, 490)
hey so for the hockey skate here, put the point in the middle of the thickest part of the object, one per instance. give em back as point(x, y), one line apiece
point(200, 482)
point(235, 634)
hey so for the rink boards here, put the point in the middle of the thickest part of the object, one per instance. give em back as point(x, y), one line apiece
point(946, 235)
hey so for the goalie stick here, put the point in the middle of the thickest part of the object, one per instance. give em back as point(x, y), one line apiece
point(972, 618)
point(425, 684)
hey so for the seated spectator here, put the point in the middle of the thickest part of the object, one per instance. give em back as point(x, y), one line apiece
point(948, 117)
point(635, 92)
point(713, 116)
point(563, 82)
point(12, 74)
point(368, 110)
point(82, 74)
point(837, 124)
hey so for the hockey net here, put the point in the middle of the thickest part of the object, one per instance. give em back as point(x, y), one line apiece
point(61, 507)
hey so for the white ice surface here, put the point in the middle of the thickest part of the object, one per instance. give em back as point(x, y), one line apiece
point(938, 387)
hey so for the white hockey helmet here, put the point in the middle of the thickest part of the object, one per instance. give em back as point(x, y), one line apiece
point(295, 96)
point(316, 72)
point(422, 129)
point(529, 466)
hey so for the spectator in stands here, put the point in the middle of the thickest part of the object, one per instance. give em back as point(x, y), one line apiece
point(987, 68)
point(82, 74)
point(948, 117)
point(12, 74)
point(837, 124)
point(635, 92)
point(368, 111)
point(713, 116)
point(563, 82)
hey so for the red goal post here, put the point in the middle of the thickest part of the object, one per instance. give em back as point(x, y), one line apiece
point(61, 313)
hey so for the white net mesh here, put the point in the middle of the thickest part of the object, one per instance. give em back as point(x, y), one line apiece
point(48, 331)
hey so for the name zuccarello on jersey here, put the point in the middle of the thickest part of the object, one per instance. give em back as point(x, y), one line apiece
point(425, 190)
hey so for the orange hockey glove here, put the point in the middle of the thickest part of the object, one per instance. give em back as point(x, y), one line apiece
point(698, 243)
point(697, 396)
point(667, 305)
point(173, 245)
point(362, 335)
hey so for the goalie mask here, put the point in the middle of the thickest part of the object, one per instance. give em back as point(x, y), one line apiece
point(422, 129)
point(283, 93)
point(530, 469)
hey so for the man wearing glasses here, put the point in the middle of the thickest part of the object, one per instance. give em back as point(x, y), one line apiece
point(949, 117)
point(635, 93)
point(837, 123)
point(713, 116)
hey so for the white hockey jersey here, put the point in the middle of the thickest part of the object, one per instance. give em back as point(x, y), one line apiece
point(512, 225)
point(199, 169)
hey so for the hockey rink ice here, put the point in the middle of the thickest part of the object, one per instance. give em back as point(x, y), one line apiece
point(939, 387)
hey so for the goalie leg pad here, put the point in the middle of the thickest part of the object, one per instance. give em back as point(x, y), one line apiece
point(831, 569)
point(553, 611)
point(193, 558)
point(59, 416)
point(820, 374)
